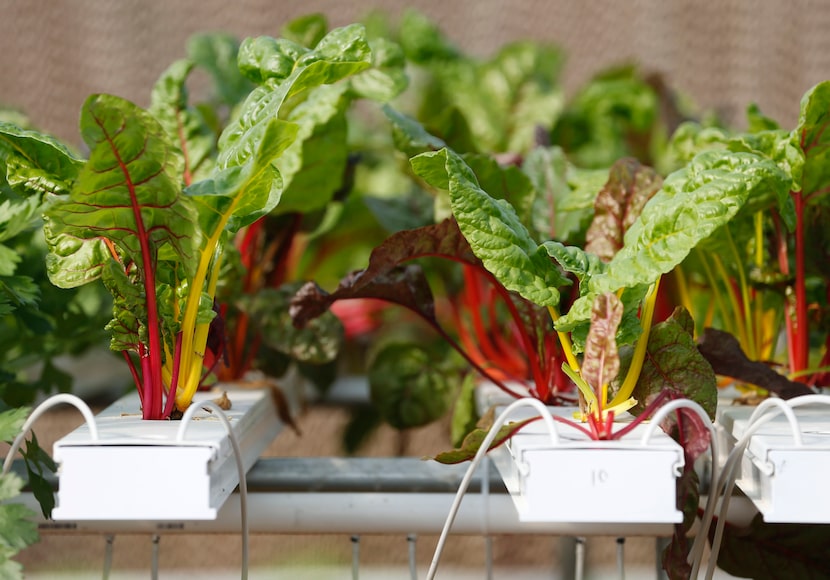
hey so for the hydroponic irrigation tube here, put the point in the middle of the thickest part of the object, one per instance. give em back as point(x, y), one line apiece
point(764, 413)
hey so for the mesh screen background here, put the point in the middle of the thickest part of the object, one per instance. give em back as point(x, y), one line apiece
point(723, 54)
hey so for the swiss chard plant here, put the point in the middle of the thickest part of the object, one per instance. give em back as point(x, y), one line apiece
point(760, 278)
point(301, 234)
point(152, 210)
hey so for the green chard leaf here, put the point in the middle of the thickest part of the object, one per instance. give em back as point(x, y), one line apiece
point(597, 127)
point(297, 86)
point(313, 167)
point(409, 135)
point(387, 78)
point(814, 142)
point(317, 343)
point(306, 30)
point(132, 170)
point(185, 125)
point(410, 385)
point(33, 163)
point(422, 41)
point(216, 53)
point(494, 231)
point(564, 195)
point(693, 203)
point(246, 187)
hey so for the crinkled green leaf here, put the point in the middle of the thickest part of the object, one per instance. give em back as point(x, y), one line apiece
point(286, 70)
point(693, 203)
point(387, 78)
point(422, 41)
point(618, 204)
point(313, 166)
point(575, 260)
point(216, 53)
point(494, 231)
point(11, 422)
point(184, 124)
point(689, 139)
point(564, 195)
point(35, 163)
point(814, 140)
point(410, 385)
point(673, 362)
point(409, 135)
point(509, 183)
point(73, 262)
point(783, 148)
point(132, 171)
point(496, 105)
point(597, 126)
point(757, 122)
point(129, 309)
point(307, 30)
point(318, 342)
point(601, 363)
point(247, 188)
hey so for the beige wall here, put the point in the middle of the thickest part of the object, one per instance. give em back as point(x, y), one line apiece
point(53, 53)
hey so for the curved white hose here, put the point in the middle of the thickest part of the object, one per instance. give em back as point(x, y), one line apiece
point(243, 486)
point(73, 400)
point(485, 445)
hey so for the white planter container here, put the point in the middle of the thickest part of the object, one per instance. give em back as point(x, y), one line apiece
point(578, 480)
point(780, 458)
point(150, 470)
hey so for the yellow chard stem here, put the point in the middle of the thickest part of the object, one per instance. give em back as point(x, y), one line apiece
point(565, 341)
point(194, 337)
point(683, 290)
point(639, 357)
point(747, 307)
point(738, 320)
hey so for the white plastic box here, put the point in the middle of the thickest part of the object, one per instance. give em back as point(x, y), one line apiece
point(585, 481)
point(781, 477)
point(139, 470)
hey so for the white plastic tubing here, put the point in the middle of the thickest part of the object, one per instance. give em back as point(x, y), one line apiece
point(765, 412)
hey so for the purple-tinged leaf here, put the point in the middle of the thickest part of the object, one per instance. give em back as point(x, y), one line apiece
point(403, 285)
point(775, 551)
point(724, 353)
point(385, 279)
point(601, 362)
point(630, 185)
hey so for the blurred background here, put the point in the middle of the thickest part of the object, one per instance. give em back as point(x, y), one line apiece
point(723, 55)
